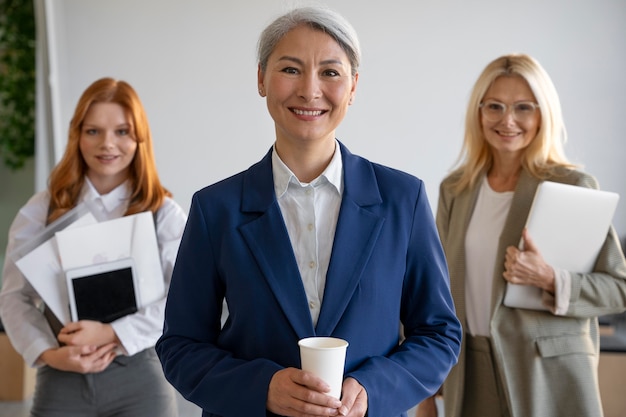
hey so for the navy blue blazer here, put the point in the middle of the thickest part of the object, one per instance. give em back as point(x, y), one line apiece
point(387, 267)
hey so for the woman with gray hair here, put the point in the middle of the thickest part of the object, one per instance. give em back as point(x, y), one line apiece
point(310, 241)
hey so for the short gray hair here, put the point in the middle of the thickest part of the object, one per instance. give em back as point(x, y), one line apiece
point(317, 18)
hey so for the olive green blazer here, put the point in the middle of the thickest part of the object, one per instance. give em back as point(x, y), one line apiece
point(547, 363)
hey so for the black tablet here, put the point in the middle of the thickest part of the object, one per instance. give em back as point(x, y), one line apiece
point(103, 292)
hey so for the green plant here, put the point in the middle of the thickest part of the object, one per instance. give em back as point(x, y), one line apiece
point(17, 82)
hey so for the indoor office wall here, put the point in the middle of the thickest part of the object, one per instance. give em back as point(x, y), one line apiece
point(193, 63)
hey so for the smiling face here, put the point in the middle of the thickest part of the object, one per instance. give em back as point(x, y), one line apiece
point(508, 137)
point(107, 145)
point(308, 85)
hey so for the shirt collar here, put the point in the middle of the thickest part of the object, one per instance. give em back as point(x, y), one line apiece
point(110, 201)
point(333, 173)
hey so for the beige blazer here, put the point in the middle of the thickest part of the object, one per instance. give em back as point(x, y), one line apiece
point(548, 364)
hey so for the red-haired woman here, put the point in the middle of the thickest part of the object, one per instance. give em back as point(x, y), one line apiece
point(90, 368)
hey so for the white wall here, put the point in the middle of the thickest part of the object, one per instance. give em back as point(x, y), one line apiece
point(193, 64)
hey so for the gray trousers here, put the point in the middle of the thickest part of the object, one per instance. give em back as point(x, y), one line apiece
point(130, 387)
point(484, 396)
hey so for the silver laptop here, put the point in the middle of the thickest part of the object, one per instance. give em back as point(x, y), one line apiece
point(569, 225)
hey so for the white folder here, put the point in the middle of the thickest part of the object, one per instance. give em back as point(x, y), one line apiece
point(131, 236)
point(38, 260)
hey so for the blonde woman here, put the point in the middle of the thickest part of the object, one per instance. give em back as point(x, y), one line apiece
point(518, 362)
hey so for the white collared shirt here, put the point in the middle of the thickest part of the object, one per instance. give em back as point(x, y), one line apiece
point(27, 328)
point(310, 212)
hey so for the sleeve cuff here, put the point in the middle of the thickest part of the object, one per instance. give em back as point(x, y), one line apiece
point(558, 303)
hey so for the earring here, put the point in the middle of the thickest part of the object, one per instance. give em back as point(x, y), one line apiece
point(261, 92)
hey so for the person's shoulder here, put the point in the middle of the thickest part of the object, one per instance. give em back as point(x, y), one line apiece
point(259, 171)
point(392, 183)
point(31, 217)
point(230, 183)
point(359, 162)
point(449, 186)
point(394, 173)
point(171, 207)
point(573, 176)
point(40, 197)
point(450, 179)
point(396, 183)
point(38, 203)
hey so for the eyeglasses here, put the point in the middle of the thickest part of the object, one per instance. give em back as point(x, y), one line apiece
point(522, 111)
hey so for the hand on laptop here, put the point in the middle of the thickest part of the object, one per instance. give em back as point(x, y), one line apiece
point(527, 266)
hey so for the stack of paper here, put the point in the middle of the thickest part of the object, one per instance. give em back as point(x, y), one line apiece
point(78, 239)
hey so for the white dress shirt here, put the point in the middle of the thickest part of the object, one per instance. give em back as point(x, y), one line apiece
point(20, 305)
point(310, 212)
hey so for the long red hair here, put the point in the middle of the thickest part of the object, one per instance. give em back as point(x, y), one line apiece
point(68, 176)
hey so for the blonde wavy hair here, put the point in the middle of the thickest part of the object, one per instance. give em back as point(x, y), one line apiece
point(68, 176)
point(545, 154)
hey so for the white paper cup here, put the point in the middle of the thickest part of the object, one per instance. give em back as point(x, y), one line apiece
point(325, 357)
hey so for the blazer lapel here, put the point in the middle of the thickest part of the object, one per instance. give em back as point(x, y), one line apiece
point(513, 226)
point(459, 220)
point(269, 243)
point(510, 236)
point(355, 238)
point(455, 241)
